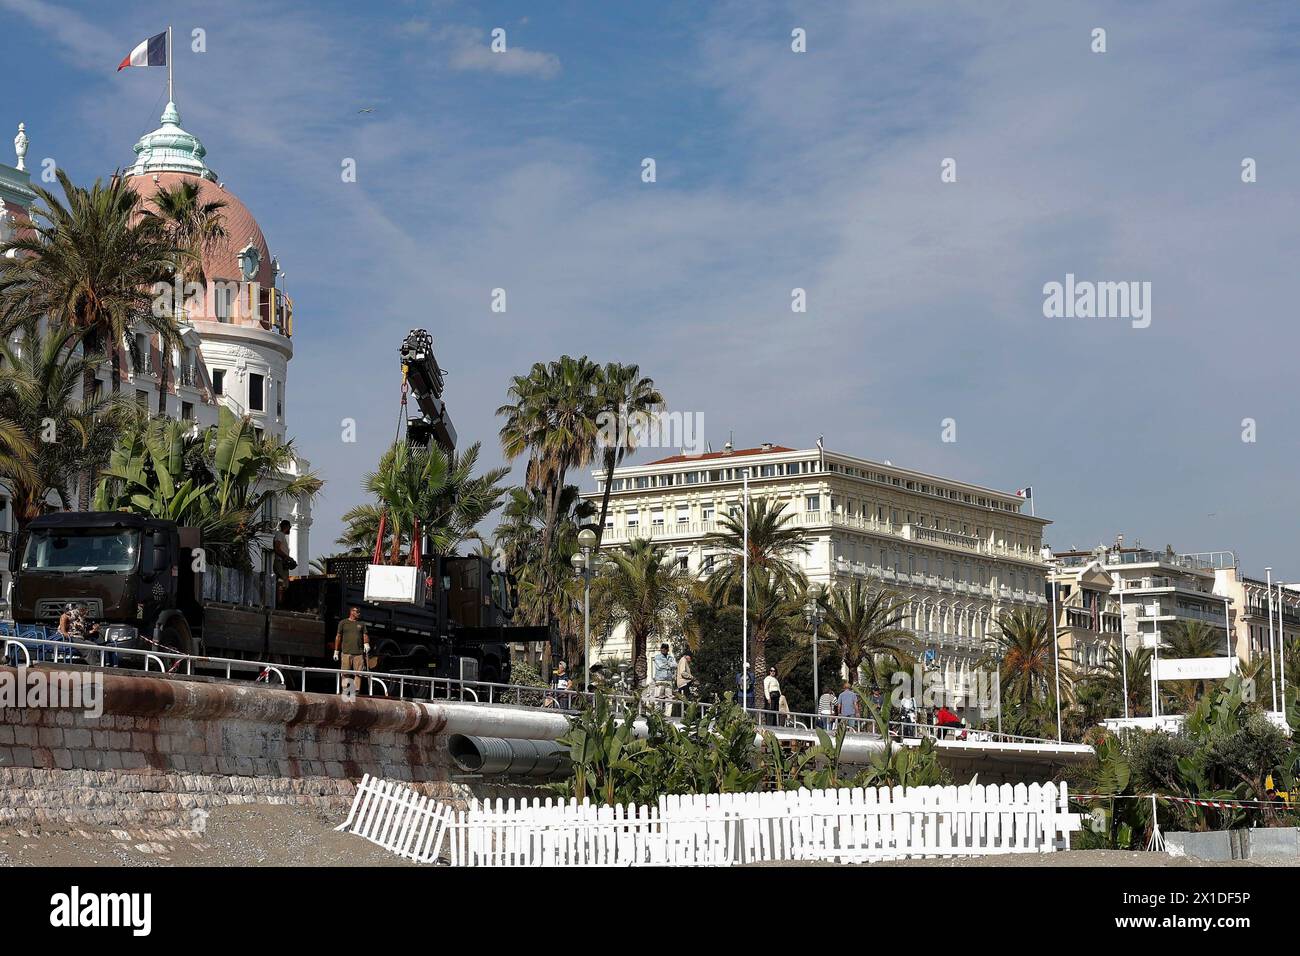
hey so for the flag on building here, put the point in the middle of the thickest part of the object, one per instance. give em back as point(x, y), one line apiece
point(1025, 493)
point(151, 52)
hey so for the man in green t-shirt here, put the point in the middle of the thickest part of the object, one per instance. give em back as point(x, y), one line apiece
point(351, 646)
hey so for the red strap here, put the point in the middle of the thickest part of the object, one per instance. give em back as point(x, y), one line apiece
point(379, 539)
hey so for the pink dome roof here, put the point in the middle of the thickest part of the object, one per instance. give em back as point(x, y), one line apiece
point(221, 261)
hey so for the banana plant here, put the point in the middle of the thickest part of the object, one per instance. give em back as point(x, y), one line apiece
point(218, 480)
point(603, 752)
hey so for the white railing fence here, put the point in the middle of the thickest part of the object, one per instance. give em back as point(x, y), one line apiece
point(719, 829)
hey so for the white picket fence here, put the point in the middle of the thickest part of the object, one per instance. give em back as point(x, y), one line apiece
point(719, 829)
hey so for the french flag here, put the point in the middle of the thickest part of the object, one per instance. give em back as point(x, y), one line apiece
point(152, 52)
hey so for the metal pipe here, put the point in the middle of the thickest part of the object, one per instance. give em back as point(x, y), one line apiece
point(508, 756)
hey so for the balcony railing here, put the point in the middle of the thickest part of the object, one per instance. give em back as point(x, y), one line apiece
point(142, 362)
point(275, 311)
point(668, 529)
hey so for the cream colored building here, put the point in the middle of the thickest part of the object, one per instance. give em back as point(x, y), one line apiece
point(1251, 610)
point(1087, 613)
point(959, 553)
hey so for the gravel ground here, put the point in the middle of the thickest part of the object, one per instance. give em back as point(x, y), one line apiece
point(247, 835)
point(277, 835)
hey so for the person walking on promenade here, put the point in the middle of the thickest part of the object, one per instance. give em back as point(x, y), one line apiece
point(685, 679)
point(848, 706)
point(772, 694)
point(663, 669)
point(825, 709)
point(282, 561)
point(351, 646)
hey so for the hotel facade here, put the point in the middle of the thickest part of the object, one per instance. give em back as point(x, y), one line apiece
point(959, 554)
point(235, 333)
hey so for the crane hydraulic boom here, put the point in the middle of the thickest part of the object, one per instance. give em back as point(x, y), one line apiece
point(425, 378)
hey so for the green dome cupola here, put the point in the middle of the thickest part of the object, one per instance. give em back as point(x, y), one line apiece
point(170, 149)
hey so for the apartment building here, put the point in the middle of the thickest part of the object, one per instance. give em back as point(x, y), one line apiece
point(1154, 590)
point(1251, 610)
point(960, 554)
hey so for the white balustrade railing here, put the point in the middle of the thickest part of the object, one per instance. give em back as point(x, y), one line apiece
point(846, 825)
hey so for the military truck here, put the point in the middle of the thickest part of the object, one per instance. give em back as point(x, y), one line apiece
point(147, 584)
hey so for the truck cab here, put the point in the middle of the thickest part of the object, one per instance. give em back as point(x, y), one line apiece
point(122, 567)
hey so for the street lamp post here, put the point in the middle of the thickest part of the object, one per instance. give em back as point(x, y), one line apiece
point(814, 615)
point(1227, 623)
point(584, 563)
point(1123, 642)
point(744, 589)
point(1272, 657)
point(1050, 560)
point(1281, 642)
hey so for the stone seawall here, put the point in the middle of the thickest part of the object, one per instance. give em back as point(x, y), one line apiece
point(165, 747)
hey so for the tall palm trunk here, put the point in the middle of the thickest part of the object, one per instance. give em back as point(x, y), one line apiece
point(611, 462)
point(88, 344)
point(164, 375)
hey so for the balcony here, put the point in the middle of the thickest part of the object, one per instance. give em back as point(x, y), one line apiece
point(142, 361)
point(661, 531)
point(275, 312)
point(189, 376)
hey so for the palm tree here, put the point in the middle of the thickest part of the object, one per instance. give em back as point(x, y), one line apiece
point(624, 396)
point(519, 538)
point(552, 419)
point(772, 544)
point(775, 608)
point(1134, 669)
point(866, 624)
point(1190, 639)
point(91, 265)
point(639, 587)
point(435, 487)
point(194, 227)
point(1023, 654)
point(40, 381)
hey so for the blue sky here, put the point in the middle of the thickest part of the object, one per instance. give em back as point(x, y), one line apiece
point(775, 170)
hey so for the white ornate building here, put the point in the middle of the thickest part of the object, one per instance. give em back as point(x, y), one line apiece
point(960, 554)
point(236, 332)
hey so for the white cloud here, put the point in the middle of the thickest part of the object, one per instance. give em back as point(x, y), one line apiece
point(89, 45)
point(471, 51)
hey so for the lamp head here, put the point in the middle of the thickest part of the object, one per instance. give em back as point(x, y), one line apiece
point(586, 539)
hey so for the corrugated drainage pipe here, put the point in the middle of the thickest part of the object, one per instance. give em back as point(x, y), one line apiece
point(492, 756)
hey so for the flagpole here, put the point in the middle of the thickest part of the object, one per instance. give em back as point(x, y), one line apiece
point(170, 97)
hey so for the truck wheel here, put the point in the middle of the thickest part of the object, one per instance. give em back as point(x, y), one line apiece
point(176, 638)
point(417, 659)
